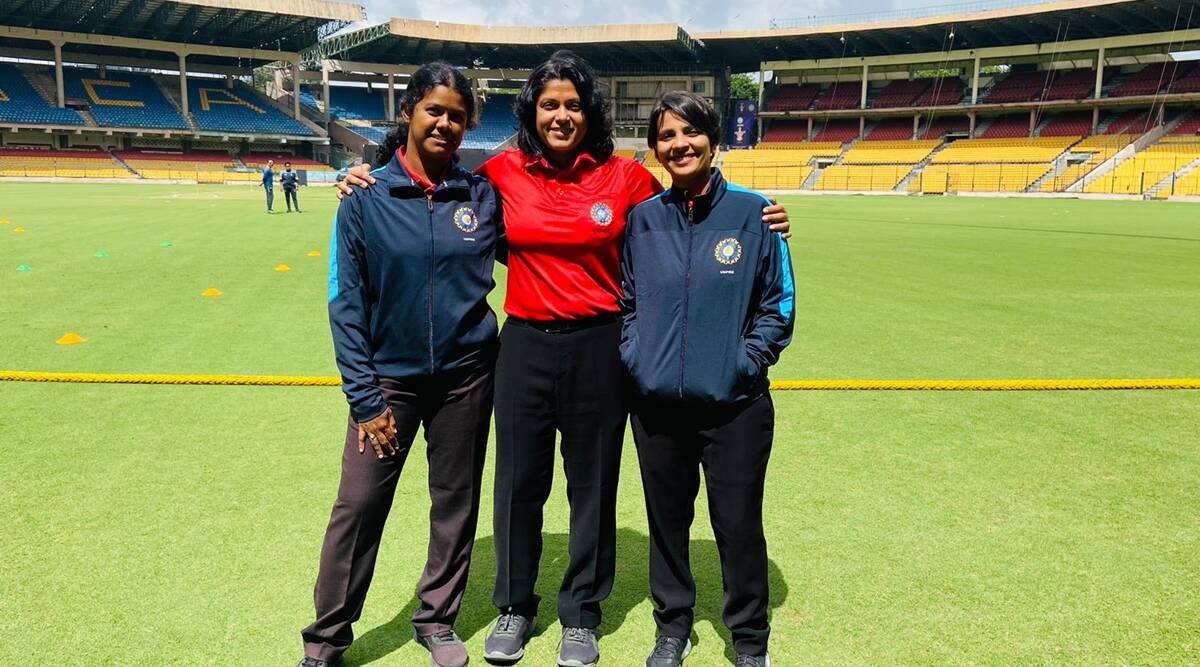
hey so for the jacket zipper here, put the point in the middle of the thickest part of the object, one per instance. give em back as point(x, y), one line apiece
point(429, 199)
point(687, 281)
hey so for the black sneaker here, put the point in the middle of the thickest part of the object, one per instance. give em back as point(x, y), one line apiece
point(669, 652)
point(445, 648)
point(313, 662)
point(506, 642)
point(747, 660)
point(578, 648)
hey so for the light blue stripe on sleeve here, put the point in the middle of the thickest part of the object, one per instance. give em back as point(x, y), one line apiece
point(333, 264)
point(737, 188)
point(788, 303)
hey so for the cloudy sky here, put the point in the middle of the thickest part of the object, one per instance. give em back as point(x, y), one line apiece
point(692, 14)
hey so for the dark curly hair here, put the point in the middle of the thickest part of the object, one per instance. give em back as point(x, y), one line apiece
point(565, 66)
point(429, 76)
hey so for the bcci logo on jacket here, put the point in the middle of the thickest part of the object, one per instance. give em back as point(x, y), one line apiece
point(602, 215)
point(466, 220)
point(728, 251)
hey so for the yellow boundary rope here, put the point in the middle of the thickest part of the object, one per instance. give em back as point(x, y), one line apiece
point(778, 385)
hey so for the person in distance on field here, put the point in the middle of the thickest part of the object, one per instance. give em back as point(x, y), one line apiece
point(566, 195)
point(708, 304)
point(268, 184)
point(410, 268)
point(291, 182)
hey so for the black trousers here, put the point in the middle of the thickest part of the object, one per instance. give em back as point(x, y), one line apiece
point(289, 197)
point(454, 408)
point(732, 446)
point(571, 382)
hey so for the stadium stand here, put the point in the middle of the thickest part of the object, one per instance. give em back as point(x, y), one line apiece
point(1187, 79)
point(44, 163)
point(985, 150)
point(785, 132)
point(942, 92)
point(1134, 121)
point(1007, 127)
point(21, 103)
point(122, 99)
point(1143, 171)
point(1018, 87)
point(900, 93)
point(1067, 124)
point(258, 161)
point(1175, 77)
point(842, 130)
point(240, 109)
point(375, 133)
point(355, 103)
point(784, 169)
point(840, 95)
point(1097, 149)
point(890, 152)
point(1073, 84)
point(200, 166)
point(940, 126)
point(794, 97)
point(875, 165)
point(891, 129)
point(496, 123)
point(942, 178)
point(1190, 125)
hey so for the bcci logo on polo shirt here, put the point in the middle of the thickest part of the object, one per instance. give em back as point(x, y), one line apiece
point(466, 220)
point(602, 215)
point(728, 251)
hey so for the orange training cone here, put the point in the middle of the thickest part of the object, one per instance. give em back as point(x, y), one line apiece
point(71, 338)
point(212, 291)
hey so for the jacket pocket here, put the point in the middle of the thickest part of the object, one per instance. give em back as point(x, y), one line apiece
point(747, 368)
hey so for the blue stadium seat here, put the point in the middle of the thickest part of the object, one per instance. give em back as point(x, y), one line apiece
point(21, 103)
point(240, 109)
point(496, 123)
point(123, 99)
point(375, 133)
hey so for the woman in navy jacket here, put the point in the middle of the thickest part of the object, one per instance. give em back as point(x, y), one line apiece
point(410, 269)
point(708, 303)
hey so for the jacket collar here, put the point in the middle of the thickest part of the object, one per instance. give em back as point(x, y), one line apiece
point(397, 173)
point(702, 204)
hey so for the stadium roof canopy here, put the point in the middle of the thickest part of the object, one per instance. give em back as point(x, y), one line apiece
point(668, 47)
point(639, 47)
point(1030, 24)
point(277, 25)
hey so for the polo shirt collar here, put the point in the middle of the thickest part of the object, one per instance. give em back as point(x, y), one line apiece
point(397, 168)
point(582, 160)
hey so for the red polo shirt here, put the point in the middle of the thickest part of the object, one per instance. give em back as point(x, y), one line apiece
point(565, 228)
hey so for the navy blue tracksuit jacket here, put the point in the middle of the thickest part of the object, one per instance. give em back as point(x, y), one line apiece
point(708, 296)
point(408, 281)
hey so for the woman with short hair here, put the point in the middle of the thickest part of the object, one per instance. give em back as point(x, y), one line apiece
point(708, 304)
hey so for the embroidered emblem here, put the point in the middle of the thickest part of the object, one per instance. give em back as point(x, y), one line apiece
point(601, 214)
point(728, 251)
point(466, 220)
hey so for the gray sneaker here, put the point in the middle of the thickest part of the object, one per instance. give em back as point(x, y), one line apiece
point(747, 660)
point(669, 652)
point(445, 648)
point(578, 648)
point(313, 662)
point(506, 642)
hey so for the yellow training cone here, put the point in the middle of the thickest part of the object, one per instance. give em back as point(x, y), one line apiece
point(4, 222)
point(314, 253)
point(71, 338)
point(18, 230)
point(212, 291)
point(283, 267)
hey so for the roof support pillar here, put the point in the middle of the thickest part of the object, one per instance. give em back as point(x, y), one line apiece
point(971, 131)
point(61, 99)
point(862, 126)
point(1099, 71)
point(809, 135)
point(916, 124)
point(975, 82)
point(391, 110)
point(1032, 121)
point(762, 93)
point(863, 103)
point(183, 89)
point(296, 89)
point(1095, 119)
point(325, 87)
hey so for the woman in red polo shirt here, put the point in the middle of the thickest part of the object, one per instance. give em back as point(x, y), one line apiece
point(564, 196)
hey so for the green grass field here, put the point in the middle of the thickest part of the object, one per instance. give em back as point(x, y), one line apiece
point(181, 525)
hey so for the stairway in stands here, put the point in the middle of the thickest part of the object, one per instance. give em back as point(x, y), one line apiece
point(902, 186)
point(117, 158)
point(172, 95)
point(1153, 193)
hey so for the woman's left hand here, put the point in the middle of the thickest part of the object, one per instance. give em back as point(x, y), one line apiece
point(776, 216)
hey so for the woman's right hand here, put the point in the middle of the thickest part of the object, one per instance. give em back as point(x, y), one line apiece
point(359, 176)
point(381, 433)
